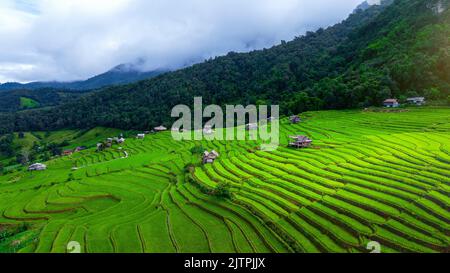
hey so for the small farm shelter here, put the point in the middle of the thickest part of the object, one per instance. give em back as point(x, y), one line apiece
point(295, 119)
point(160, 129)
point(140, 136)
point(37, 167)
point(416, 100)
point(109, 140)
point(81, 148)
point(67, 152)
point(210, 157)
point(121, 140)
point(391, 103)
point(300, 142)
point(251, 127)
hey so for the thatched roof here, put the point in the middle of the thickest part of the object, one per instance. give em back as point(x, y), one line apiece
point(301, 139)
point(295, 119)
point(416, 99)
point(211, 155)
point(37, 167)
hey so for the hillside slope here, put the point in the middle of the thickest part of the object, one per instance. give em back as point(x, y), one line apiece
point(55, 93)
point(369, 176)
point(11, 101)
point(398, 50)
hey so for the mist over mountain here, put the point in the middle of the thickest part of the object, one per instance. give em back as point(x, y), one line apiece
point(66, 40)
point(121, 74)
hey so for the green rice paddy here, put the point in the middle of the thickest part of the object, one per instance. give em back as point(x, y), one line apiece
point(370, 176)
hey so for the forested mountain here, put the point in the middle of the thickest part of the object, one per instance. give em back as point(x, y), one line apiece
point(402, 49)
point(16, 100)
point(45, 94)
point(120, 74)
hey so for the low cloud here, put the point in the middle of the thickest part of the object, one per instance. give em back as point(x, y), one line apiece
point(68, 40)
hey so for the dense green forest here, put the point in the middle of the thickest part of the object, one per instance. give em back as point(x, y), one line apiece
point(16, 100)
point(396, 50)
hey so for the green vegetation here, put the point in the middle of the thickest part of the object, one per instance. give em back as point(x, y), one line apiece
point(399, 50)
point(23, 100)
point(15, 237)
point(371, 175)
point(377, 174)
point(19, 149)
point(27, 103)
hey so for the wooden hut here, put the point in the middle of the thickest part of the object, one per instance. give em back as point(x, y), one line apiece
point(295, 119)
point(391, 103)
point(416, 100)
point(300, 142)
point(37, 167)
point(80, 148)
point(100, 146)
point(210, 157)
point(160, 129)
point(67, 152)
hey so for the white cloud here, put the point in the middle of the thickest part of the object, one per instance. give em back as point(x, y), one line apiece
point(75, 39)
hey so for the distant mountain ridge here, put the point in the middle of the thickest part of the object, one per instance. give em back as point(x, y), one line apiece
point(368, 3)
point(121, 74)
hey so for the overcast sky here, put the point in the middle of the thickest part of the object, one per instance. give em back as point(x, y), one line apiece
point(66, 40)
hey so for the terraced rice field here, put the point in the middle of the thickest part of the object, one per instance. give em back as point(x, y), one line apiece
point(368, 177)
